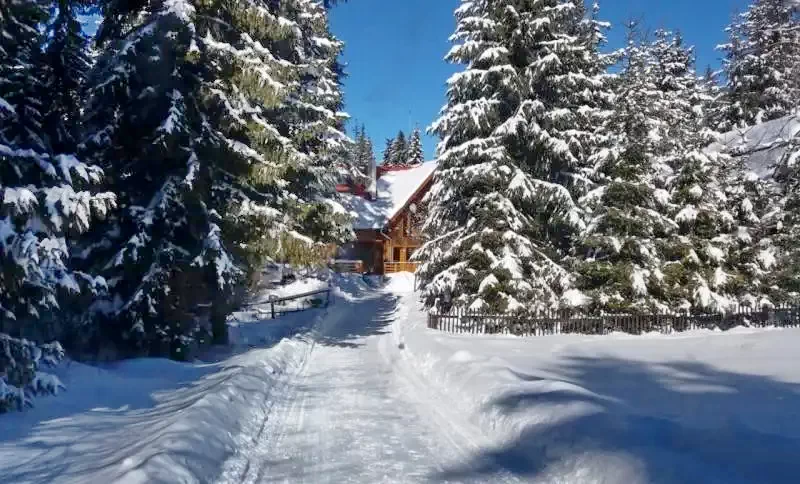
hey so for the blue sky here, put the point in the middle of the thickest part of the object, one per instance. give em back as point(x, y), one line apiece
point(394, 52)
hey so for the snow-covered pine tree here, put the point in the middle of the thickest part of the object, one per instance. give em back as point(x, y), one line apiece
point(388, 152)
point(695, 274)
point(512, 137)
point(619, 254)
point(21, 85)
point(357, 148)
point(415, 153)
point(715, 107)
point(360, 156)
point(20, 365)
point(672, 72)
point(221, 124)
point(400, 149)
point(164, 119)
point(66, 62)
point(762, 63)
point(366, 156)
point(145, 127)
point(592, 89)
point(754, 204)
point(787, 272)
point(46, 200)
point(315, 124)
point(713, 259)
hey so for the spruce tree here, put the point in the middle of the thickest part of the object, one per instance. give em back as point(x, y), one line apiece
point(318, 132)
point(361, 155)
point(400, 150)
point(715, 104)
point(389, 156)
point(674, 225)
point(48, 197)
point(715, 256)
point(369, 156)
point(619, 254)
point(21, 84)
point(142, 118)
point(221, 125)
point(787, 273)
point(514, 140)
point(66, 65)
point(762, 63)
point(416, 155)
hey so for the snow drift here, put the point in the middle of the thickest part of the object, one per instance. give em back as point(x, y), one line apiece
point(696, 407)
point(156, 420)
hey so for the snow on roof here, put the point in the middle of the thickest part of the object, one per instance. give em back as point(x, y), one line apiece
point(395, 189)
point(763, 144)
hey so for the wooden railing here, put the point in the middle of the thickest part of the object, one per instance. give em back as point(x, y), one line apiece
point(348, 266)
point(278, 306)
point(395, 267)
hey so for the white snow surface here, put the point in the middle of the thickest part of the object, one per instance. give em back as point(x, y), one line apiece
point(300, 286)
point(395, 189)
point(150, 420)
point(762, 145)
point(363, 392)
point(701, 406)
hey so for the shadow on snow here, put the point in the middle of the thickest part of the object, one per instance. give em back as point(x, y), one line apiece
point(711, 426)
point(351, 332)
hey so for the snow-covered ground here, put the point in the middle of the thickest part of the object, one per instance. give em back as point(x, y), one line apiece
point(363, 392)
point(350, 413)
point(147, 420)
point(159, 421)
point(694, 407)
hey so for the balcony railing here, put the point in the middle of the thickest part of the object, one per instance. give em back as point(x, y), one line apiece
point(394, 267)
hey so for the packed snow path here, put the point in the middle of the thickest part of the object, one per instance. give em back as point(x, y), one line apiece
point(348, 412)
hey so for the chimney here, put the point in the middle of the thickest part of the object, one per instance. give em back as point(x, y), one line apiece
point(372, 183)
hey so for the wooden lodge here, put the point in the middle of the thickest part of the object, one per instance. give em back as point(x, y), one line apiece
point(388, 218)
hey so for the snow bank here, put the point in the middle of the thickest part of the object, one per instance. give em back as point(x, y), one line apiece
point(141, 421)
point(300, 286)
point(695, 407)
point(347, 286)
point(352, 287)
point(400, 283)
point(156, 420)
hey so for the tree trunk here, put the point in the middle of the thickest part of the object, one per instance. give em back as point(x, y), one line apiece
point(219, 325)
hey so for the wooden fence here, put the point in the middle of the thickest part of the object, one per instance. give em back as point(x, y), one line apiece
point(568, 322)
point(278, 306)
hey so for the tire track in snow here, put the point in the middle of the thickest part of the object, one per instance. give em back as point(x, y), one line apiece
point(351, 412)
point(239, 466)
point(467, 439)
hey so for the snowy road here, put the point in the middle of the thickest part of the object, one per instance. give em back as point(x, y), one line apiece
point(348, 412)
point(328, 396)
